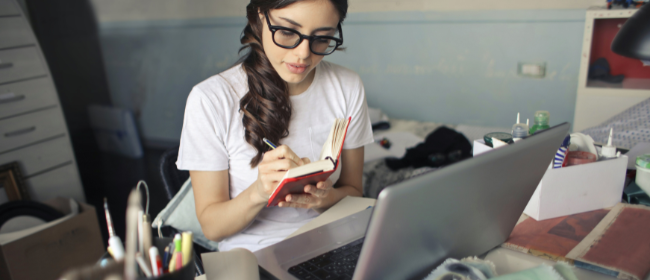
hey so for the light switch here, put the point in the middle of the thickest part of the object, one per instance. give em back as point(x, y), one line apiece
point(532, 69)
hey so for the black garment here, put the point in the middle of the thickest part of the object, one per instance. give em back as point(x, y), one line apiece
point(441, 147)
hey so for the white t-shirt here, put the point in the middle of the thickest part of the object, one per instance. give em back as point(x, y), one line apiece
point(213, 139)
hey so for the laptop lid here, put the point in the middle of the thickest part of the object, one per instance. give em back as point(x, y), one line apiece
point(461, 210)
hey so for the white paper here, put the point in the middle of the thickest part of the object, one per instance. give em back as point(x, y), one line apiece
point(579, 188)
point(400, 141)
point(637, 150)
point(237, 263)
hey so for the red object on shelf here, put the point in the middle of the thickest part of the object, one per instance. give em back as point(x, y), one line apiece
point(604, 32)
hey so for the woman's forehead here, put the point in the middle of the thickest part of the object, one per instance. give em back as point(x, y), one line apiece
point(310, 14)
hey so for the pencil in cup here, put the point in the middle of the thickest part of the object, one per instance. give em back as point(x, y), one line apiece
point(186, 272)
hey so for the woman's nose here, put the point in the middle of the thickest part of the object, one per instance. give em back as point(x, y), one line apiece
point(302, 50)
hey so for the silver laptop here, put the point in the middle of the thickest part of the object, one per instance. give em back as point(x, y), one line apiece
point(464, 209)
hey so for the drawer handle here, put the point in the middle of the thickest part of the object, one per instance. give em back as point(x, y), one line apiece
point(6, 65)
point(13, 98)
point(20, 131)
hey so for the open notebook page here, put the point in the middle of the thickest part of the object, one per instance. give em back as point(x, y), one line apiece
point(331, 149)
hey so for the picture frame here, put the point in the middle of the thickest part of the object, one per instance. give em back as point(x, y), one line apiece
point(11, 181)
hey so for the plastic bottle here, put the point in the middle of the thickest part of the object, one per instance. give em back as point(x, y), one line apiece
point(519, 130)
point(609, 151)
point(540, 121)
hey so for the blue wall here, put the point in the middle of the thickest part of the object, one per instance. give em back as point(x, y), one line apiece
point(449, 67)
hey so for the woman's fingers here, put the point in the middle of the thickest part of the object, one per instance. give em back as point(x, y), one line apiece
point(324, 185)
point(282, 152)
point(294, 205)
point(280, 165)
point(315, 191)
point(301, 198)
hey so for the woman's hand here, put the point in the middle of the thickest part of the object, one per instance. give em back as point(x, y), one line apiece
point(315, 197)
point(271, 170)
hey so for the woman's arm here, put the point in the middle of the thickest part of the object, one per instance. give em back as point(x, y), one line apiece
point(322, 196)
point(220, 216)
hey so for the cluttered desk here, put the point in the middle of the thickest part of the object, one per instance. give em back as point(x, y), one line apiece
point(414, 225)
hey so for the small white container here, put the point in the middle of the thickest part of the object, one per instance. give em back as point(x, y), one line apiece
point(574, 189)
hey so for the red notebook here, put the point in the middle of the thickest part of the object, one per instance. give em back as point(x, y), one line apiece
point(296, 179)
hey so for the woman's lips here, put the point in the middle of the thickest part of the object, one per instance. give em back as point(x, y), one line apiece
point(296, 68)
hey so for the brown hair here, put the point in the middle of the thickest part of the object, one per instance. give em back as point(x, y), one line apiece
point(266, 106)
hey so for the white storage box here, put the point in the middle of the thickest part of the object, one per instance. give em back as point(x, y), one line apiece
point(574, 189)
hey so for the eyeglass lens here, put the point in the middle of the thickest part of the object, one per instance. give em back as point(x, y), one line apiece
point(290, 39)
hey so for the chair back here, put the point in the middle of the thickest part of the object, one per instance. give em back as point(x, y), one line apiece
point(172, 178)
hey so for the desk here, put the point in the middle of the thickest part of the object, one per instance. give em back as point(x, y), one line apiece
point(506, 261)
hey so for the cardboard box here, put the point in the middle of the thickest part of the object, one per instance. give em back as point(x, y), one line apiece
point(46, 251)
point(574, 189)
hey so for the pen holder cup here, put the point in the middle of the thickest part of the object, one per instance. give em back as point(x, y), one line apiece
point(101, 271)
point(186, 273)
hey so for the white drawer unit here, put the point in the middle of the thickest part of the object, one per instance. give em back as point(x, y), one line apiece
point(30, 128)
point(14, 32)
point(61, 182)
point(33, 132)
point(9, 8)
point(20, 63)
point(18, 98)
point(41, 157)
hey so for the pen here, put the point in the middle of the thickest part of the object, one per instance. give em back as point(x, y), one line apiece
point(172, 253)
point(273, 146)
point(165, 263)
point(114, 241)
point(156, 263)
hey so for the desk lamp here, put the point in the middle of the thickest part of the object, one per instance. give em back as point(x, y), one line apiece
point(633, 40)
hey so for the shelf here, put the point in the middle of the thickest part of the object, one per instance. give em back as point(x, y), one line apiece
point(629, 83)
point(615, 13)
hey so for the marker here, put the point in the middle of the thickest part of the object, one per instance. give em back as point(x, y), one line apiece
point(186, 246)
point(178, 253)
point(156, 263)
point(114, 241)
point(273, 146)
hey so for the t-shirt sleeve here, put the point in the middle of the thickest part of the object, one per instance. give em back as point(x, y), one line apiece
point(360, 129)
point(202, 145)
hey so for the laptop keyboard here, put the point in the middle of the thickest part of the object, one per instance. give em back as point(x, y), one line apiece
point(337, 264)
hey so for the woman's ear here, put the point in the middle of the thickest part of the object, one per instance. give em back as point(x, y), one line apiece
point(260, 14)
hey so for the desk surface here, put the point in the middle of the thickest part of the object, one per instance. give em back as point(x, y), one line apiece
point(506, 261)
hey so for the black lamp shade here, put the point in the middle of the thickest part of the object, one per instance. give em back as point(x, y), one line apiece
point(633, 40)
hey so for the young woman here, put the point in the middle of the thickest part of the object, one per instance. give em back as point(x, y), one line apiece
point(282, 91)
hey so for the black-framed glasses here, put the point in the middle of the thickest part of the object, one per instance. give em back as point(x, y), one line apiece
point(289, 38)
